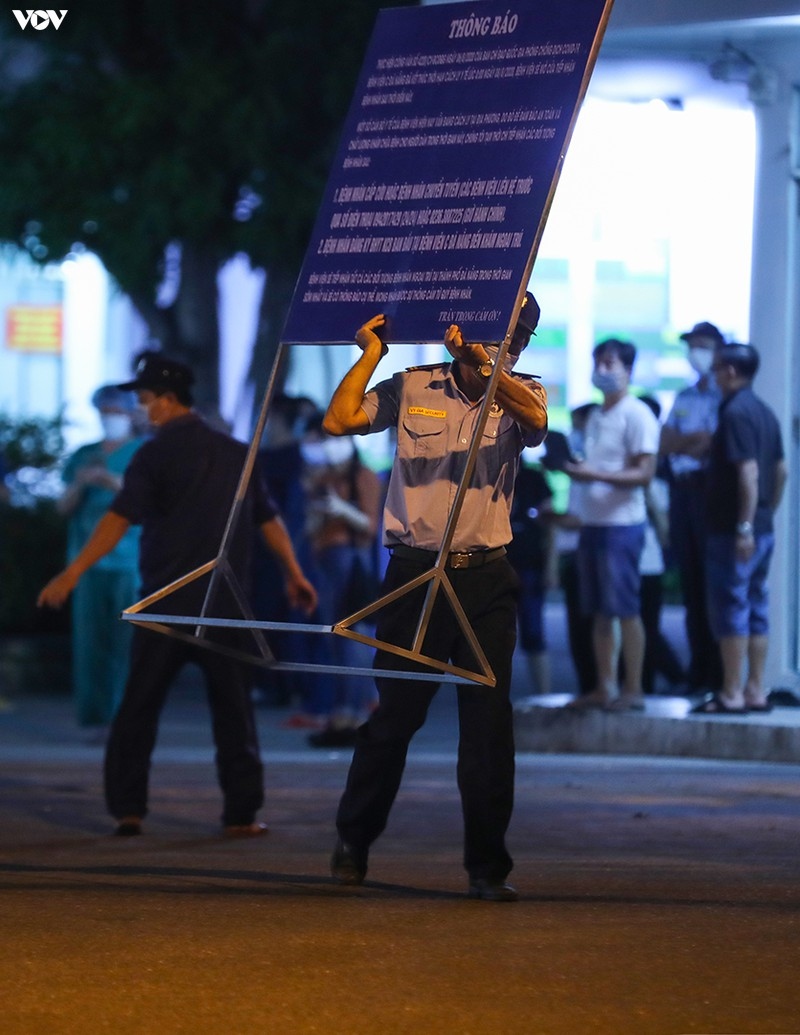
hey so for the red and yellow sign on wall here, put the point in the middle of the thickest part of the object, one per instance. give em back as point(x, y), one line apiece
point(34, 328)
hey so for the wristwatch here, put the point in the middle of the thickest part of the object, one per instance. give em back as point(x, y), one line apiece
point(485, 369)
point(744, 528)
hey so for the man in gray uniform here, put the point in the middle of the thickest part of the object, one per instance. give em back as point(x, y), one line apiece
point(435, 410)
point(686, 440)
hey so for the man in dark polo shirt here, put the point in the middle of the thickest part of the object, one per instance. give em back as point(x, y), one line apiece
point(745, 480)
point(180, 487)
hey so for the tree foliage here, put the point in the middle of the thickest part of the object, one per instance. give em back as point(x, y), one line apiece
point(198, 123)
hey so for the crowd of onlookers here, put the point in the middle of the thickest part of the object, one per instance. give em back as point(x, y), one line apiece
point(696, 495)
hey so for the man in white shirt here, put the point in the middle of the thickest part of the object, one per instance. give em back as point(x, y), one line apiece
point(621, 447)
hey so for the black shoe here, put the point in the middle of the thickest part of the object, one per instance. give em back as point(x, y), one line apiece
point(128, 827)
point(348, 866)
point(331, 737)
point(782, 697)
point(243, 830)
point(492, 890)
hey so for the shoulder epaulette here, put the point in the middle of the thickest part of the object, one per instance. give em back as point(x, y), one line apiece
point(428, 366)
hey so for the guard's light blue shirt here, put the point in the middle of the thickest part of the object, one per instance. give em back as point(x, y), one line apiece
point(435, 425)
point(694, 409)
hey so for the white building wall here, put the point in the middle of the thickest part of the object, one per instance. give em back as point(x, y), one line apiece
point(775, 332)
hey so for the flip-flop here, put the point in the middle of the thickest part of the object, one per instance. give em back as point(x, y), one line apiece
point(763, 707)
point(626, 703)
point(714, 705)
point(586, 702)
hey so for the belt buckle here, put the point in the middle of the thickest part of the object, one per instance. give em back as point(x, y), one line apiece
point(459, 560)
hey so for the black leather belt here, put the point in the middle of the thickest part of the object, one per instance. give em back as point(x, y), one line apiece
point(475, 559)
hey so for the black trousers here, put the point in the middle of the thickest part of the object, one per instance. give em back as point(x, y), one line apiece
point(659, 655)
point(156, 660)
point(687, 531)
point(486, 741)
point(579, 625)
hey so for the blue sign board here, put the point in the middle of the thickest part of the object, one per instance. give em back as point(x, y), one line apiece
point(445, 170)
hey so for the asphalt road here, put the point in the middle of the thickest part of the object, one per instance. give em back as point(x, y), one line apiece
point(657, 896)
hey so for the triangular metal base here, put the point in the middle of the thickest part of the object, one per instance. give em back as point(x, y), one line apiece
point(171, 625)
point(437, 577)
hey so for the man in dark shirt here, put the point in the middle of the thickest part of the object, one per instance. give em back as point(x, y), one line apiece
point(180, 487)
point(745, 480)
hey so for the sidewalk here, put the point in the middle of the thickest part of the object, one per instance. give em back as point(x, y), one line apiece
point(667, 726)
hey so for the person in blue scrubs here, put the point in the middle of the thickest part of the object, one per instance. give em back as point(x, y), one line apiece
point(100, 642)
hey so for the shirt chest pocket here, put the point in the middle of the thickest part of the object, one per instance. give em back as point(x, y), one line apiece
point(494, 431)
point(423, 436)
point(498, 446)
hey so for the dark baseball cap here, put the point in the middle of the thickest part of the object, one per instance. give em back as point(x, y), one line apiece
point(704, 330)
point(155, 372)
point(529, 314)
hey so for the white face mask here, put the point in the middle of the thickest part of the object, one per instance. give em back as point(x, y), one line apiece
point(331, 452)
point(313, 454)
point(700, 360)
point(338, 450)
point(116, 426)
point(608, 381)
point(508, 363)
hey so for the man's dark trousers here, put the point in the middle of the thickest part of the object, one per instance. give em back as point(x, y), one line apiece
point(488, 595)
point(687, 531)
point(155, 661)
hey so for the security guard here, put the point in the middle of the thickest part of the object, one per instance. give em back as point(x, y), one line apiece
point(686, 441)
point(435, 410)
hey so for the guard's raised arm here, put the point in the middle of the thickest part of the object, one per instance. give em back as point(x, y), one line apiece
point(344, 415)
